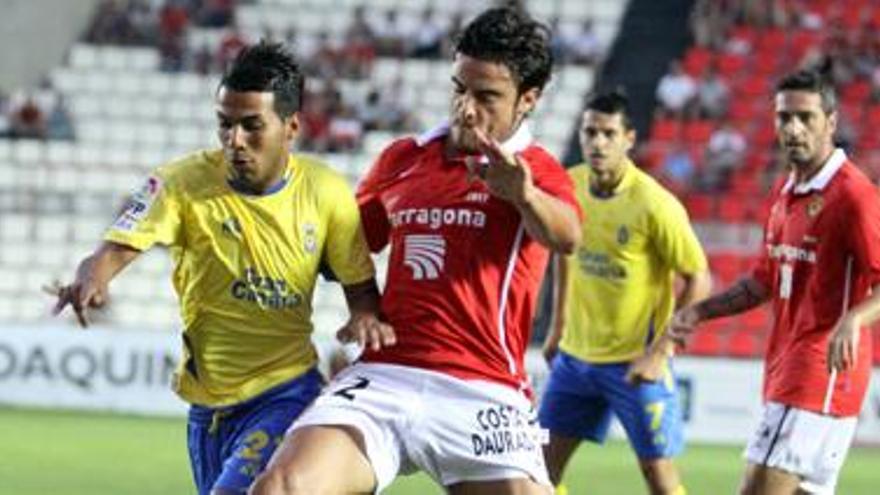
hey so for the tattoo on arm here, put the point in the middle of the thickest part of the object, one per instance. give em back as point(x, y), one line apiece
point(742, 296)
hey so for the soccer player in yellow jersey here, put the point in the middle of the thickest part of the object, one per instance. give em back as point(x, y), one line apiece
point(615, 297)
point(249, 227)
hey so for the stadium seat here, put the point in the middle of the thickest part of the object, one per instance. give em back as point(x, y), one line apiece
point(697, 60)
point(698, 132)
point(665, 130)
point(742, 343)
point(700, 207)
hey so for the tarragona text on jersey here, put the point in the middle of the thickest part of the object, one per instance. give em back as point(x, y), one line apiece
point(245, 267)
point(463, 274)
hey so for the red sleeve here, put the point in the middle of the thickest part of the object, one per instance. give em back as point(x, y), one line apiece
point(864, 228)
point(374, 217)
point(551, 177)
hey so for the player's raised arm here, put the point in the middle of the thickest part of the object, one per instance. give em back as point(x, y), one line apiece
point(547, 219)
point(89, 289)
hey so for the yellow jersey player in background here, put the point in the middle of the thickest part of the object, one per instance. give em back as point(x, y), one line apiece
point(615, 296)
point(249, 227)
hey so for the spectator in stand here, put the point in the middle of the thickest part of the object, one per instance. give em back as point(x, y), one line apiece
point(59, 124)
point(28, 120)
point(216, 13)
point(345, 130)
point(724, 154)
point(676, 91)
point(359, 49)
point(391, 36)
point(427, 39)
point(713, 95)
point(584, 47)
point(231, 44)
point(677, 170)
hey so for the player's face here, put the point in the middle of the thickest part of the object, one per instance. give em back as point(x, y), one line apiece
point(255, 139)
point(485, 97)
point(605, 143)
point(804, 130)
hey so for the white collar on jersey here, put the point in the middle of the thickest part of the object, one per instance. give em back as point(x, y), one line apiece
point(820, 180)
point(520, 140)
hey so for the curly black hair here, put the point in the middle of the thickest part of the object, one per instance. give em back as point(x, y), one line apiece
point(612, 102)
point(510, 37)
point(268, 67)
point(813, 82)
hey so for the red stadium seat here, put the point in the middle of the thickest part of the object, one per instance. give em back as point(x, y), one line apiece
point(754, 87)
point(742, 343)
point(773, 40)
point(734, 209)
point(698, 132)
point(700, 207)
point(665, 130)
point(697, 60)
point(705, 342)
point(767, 63)
point(730, 64)
point(856, 91)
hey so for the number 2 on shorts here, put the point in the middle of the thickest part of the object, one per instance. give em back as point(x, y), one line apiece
point(346, 391)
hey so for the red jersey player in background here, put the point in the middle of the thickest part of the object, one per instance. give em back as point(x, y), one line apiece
point(820, 269)
point(471, 210)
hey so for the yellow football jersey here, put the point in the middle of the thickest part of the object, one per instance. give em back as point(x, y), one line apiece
point(620, 293)
point(245, 267)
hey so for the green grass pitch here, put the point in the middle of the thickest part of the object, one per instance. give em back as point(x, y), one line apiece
point(46, 452)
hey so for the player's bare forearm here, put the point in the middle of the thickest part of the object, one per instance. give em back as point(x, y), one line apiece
point(363, 297)
point(867, 312)
point(107, 261)
point(364, 325)
point(696, 287)
point(742, 296)
point(560, 297)
point(550, 221)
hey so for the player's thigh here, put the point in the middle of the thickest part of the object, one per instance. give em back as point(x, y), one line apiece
point(572, 405)
point(763, 480)
point(650, 414)
point(311, 459)
point(557, 453)
point(518, 486)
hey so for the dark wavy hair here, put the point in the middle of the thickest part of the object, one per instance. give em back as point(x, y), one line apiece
point(508, 36)
point(813, 82)
point(612, 102)
point(268, 67)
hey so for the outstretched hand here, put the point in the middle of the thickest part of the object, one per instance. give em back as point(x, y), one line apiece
point(843, 346)
point(367, 331)
point(80, 295)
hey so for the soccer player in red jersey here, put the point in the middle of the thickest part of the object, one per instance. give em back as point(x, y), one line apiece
point(471, 211)
point(820, 270)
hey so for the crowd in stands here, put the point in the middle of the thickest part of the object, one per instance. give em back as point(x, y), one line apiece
point(331, 121)
point(713, 129)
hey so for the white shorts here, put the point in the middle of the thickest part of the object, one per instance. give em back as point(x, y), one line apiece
point(810, 445)
point(455, 430)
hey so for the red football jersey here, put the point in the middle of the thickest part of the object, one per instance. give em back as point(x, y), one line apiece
point(463, 274)
point(821, 257)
